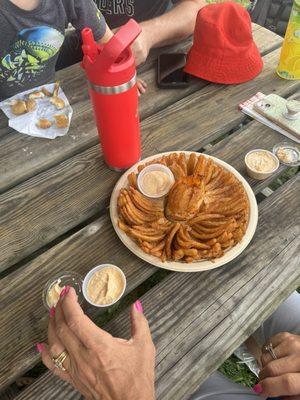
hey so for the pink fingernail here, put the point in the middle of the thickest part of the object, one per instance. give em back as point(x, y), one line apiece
point(138, 306)
point(40, 347)
point(52, 312)
point(258, 388)
point(64, 292)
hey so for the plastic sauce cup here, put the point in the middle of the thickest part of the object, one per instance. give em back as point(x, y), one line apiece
point(155, 167)
point(89, 276)
point(261, 175)
point(64, 278)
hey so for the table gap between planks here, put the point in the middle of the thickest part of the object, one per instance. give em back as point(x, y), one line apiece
point(185, 126)
point(64, 183)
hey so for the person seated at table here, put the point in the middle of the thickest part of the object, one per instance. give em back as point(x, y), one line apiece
point(32, 33)
point(161, 21)
point(104, 367)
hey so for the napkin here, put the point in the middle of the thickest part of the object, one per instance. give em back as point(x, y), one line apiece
point(27, 123)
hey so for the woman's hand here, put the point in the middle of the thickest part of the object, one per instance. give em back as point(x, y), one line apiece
point(99, 365)
point(281, 377)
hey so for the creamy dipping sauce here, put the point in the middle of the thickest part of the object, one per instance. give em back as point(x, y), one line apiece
point(287, 155)
point(261, 161)
point(53, 293)
point(155, 183)
point(105, 286)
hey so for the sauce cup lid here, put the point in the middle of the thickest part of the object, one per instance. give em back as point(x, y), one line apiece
point(89, 276)
point(265, 151)
point(155, 167)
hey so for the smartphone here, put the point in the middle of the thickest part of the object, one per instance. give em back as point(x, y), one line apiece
point(170, 73)
point(273, 107)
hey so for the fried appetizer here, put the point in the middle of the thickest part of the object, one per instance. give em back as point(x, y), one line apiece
point(56, 89)
point(205, 213)
point(61, 121)
point(36, 95)
point(46, 92)
point(19, 107)
point(57, 102)
point(44, 123)
point(30, 105)
point(55, 99)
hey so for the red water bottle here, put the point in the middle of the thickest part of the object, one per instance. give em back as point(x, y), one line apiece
point(111, 74)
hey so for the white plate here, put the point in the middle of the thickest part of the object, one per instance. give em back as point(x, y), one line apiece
point(178, 266)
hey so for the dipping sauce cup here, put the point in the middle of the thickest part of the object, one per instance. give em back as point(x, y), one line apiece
point(155, 181)
point(261, 164)
point(104, 285)
point(56, 284)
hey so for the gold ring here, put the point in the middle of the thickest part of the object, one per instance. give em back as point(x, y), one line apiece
point(58, 361)
point(269, 348)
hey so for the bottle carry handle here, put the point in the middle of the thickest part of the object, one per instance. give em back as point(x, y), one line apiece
point(112, 50)
point(125, 36)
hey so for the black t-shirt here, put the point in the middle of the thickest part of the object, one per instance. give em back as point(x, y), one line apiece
point(118, 12)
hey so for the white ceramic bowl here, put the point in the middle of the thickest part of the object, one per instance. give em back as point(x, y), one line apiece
point(88, 277)
point(155, 167)
point(260, 176)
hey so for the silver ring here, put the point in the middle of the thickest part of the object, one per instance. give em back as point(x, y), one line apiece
point(269, 348)
point(113, 89)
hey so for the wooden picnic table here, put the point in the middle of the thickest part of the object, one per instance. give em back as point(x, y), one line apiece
point(54, 197)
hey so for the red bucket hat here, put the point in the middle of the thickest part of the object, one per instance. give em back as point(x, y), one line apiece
point(224, 50)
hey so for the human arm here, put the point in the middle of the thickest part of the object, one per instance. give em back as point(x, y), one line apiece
point(168, 28)
point(99, 365)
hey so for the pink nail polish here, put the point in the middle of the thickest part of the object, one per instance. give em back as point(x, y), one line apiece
point(64, 292)
point(40, 347)
point(52, 312)
point(258, 388)
point(138, 306)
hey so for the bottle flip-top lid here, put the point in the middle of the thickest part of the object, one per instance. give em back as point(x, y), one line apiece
point(113, 62)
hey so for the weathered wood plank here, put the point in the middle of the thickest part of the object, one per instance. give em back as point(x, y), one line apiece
point(89, 183)
point(22, 314)
point(88, 247)
point(23, 156)
point(213, 312)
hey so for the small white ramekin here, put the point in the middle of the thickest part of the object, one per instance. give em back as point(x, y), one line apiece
point(155, 167)
point(88, 277)
point(258, 174)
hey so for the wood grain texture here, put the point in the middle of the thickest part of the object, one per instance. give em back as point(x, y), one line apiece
point(88, 183)
point(88, 247)
point(22, 314)
point(212, 312)
point(38, 211)
point(23, 156)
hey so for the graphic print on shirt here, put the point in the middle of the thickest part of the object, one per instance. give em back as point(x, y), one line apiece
point(27, 57)
point(116, 7)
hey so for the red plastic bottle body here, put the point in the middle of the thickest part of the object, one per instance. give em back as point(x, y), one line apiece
point(111, 75)
point(118, 127)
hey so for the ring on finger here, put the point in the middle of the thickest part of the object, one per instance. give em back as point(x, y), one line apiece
point(269, 348)
point(58, 361)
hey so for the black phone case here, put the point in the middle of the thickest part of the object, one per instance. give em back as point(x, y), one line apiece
point(174, 85)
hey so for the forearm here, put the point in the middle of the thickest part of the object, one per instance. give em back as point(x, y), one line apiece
point(175, 25)
point(107, 35)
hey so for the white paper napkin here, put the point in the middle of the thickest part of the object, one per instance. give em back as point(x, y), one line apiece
point(27, 123)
